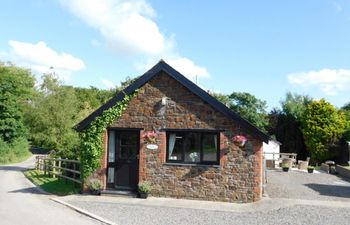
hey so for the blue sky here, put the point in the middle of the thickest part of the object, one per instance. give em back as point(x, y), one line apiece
point(265, 48)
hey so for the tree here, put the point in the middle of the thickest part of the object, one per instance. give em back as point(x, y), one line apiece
point(294, 105)
point(51, 117)
point(285, 123)
point(322, 125)
point(346, 110)
point(16, 87)
point(247, 106)
point(224, 99)
point(250, 107)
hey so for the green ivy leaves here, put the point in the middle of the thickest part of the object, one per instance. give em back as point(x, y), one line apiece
point(92, 138)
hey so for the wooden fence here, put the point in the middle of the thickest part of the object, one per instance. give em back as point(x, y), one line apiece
point(61, 168)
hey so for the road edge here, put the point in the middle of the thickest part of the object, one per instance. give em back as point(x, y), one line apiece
point(82, 211)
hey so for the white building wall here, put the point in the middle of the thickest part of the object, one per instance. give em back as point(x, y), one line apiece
point(271, 147)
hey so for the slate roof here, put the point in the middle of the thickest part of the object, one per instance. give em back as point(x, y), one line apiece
point(163, 66)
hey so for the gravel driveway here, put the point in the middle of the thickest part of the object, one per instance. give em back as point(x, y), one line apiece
point(127, 214)
point(294, 198)
point(301, 185)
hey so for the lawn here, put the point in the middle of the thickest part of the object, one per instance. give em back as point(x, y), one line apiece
point(52, 185)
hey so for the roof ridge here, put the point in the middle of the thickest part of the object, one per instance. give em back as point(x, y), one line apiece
point(163, 66)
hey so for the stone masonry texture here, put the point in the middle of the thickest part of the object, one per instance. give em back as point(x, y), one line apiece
point(238, 177)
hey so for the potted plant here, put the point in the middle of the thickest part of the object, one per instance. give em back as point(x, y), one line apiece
point(151, 140)
point(94, 184)
point(285, 167)
point(144, 188)
point(239, 140)
point(310, 169)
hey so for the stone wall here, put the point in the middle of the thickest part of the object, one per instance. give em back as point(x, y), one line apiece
point(237, 178)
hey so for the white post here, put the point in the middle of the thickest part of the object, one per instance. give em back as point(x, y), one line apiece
point(349, 152)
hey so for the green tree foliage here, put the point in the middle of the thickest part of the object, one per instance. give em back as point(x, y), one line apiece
point(224, 99)
point(16, 89)
point(16, 151)
point(16, 86)
point(294, 105)
point(52, 116)
point(285, 123)
point(91, 138)
point(322, 126)
point(346, 110)
point(248, 106)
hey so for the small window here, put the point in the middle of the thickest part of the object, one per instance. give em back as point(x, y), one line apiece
point(193, 147)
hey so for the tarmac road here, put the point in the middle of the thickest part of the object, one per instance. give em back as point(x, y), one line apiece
point(22, 203)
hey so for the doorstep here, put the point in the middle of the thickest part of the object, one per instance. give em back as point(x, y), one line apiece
point(119, 193)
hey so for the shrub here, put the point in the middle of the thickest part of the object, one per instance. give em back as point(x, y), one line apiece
point(15, 151)
point(285, 165)
point(144, 187)
point(94, 182)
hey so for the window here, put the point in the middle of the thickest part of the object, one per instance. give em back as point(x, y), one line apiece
point(193, 147)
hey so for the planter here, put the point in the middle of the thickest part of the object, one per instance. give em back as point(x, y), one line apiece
point(310, 170)
point(95, 192)
point(143, 195)
point(240, 144)
point(285, 169)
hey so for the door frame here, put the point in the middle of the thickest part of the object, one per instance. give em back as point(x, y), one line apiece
point(114, 164)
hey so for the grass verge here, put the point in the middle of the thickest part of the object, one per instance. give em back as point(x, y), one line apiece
point(14, 152)
point(52, 185)
point(12, 158)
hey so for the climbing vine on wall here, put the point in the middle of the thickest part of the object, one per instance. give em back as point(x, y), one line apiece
point(92, 138)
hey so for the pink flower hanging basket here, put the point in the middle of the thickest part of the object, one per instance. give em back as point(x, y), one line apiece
point(239, 140)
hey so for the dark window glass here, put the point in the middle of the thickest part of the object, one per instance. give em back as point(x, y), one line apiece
point(210, 146)
point(192, 147)
point(128, 139)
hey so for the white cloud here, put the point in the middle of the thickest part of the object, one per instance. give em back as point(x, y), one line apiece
point(330, 81)
point(40, 58)
point(109, 84)
point(129, 28)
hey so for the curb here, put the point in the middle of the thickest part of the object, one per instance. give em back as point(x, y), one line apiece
point(84, 212)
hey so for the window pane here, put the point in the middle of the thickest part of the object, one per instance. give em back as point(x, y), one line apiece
point(127, 152)
point(128, 139)
point(176, 142)
point(110, 178)
point(111, 146)
point(192, 147)
point(210, 147)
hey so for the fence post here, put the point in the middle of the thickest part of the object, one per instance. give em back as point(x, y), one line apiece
point(59, 168)
point(45, 166)
point(65, 171)
point(53, 168)
point(49, 164)
point(74, 174)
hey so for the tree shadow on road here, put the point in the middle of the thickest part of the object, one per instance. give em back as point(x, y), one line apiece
point(331, 190)
point(13, 168)
point(30, 190)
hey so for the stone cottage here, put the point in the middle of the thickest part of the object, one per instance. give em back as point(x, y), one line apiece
point(183, 141)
